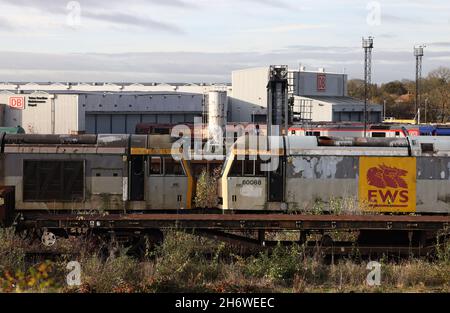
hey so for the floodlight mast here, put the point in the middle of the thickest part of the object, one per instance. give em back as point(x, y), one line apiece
point(367, 44)
point(418, 53)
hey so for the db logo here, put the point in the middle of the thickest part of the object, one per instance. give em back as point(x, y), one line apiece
point(321, 82)
point(17, 103)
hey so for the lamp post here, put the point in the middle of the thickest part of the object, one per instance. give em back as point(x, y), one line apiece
point(418, 53)
point(367, 44)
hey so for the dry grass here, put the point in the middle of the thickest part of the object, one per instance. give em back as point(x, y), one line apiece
point(185, 263)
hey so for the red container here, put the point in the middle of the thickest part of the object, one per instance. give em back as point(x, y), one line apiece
point(7, 205)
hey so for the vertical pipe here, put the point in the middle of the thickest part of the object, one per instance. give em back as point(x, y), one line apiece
point(53, 115)
point(417, 89)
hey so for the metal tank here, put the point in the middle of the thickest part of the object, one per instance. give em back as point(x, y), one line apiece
point(217, 115)
point(2, 113)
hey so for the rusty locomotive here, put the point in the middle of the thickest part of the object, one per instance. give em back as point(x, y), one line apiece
point(141, 173)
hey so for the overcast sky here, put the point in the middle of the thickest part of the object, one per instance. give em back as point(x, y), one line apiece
point(204, 40)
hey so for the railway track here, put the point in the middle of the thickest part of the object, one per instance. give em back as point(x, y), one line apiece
point(389, 234)
point(241, 221)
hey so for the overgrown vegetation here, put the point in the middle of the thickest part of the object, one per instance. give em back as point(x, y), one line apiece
point(206, 191)
point(186, 263)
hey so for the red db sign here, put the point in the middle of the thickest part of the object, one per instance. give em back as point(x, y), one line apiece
point(321, 82)
point(17, 103)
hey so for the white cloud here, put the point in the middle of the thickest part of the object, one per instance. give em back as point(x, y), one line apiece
point(287, 28)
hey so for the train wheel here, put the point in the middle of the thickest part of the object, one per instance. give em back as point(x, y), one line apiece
point(48, 239)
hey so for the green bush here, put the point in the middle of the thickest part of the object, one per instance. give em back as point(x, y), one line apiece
point(281, 264)
point(206, 191)
point(182, 264)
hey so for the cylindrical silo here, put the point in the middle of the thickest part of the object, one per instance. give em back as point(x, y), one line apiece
point(217, 114)
point(2, 112)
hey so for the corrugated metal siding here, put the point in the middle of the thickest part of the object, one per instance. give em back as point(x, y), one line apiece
point(66, 114)
point(38, 119)
point(126, 123)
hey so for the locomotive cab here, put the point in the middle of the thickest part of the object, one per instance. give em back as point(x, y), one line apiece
point(158, 180)
point(253, 175)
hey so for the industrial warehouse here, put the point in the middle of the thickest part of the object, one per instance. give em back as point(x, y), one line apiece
point(118, 108)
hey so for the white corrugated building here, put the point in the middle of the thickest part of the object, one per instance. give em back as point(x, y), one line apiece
point(318, 97)
point(65, 108)
point(66, 112)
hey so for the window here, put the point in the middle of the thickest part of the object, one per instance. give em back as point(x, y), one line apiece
point(172, 167)
point(53, 180)
point(161, 131)
point(258, 171)
point(156, 166)
point(249, 168)
point(378, 135)
point(427, 147)
point(313, 134)
point(165, 166)
point(236, 168)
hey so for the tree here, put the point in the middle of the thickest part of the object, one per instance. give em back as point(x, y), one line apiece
point(439, 93)
point(394, 88)
point(399, 96)
point(356, 88)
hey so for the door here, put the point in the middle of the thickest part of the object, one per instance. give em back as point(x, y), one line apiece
point(275, 181)
point(137, 178)
point(167, 184)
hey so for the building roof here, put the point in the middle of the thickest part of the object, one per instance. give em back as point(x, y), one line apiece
point(119, 93)
point(344, 102)
point(100, 84)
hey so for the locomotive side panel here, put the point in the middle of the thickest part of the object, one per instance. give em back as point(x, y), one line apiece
point(247, 193)
point(324, 183)
point(433, 184)
point(66, 181)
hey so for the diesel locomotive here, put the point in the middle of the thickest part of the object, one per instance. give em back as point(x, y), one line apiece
point(145, 173)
